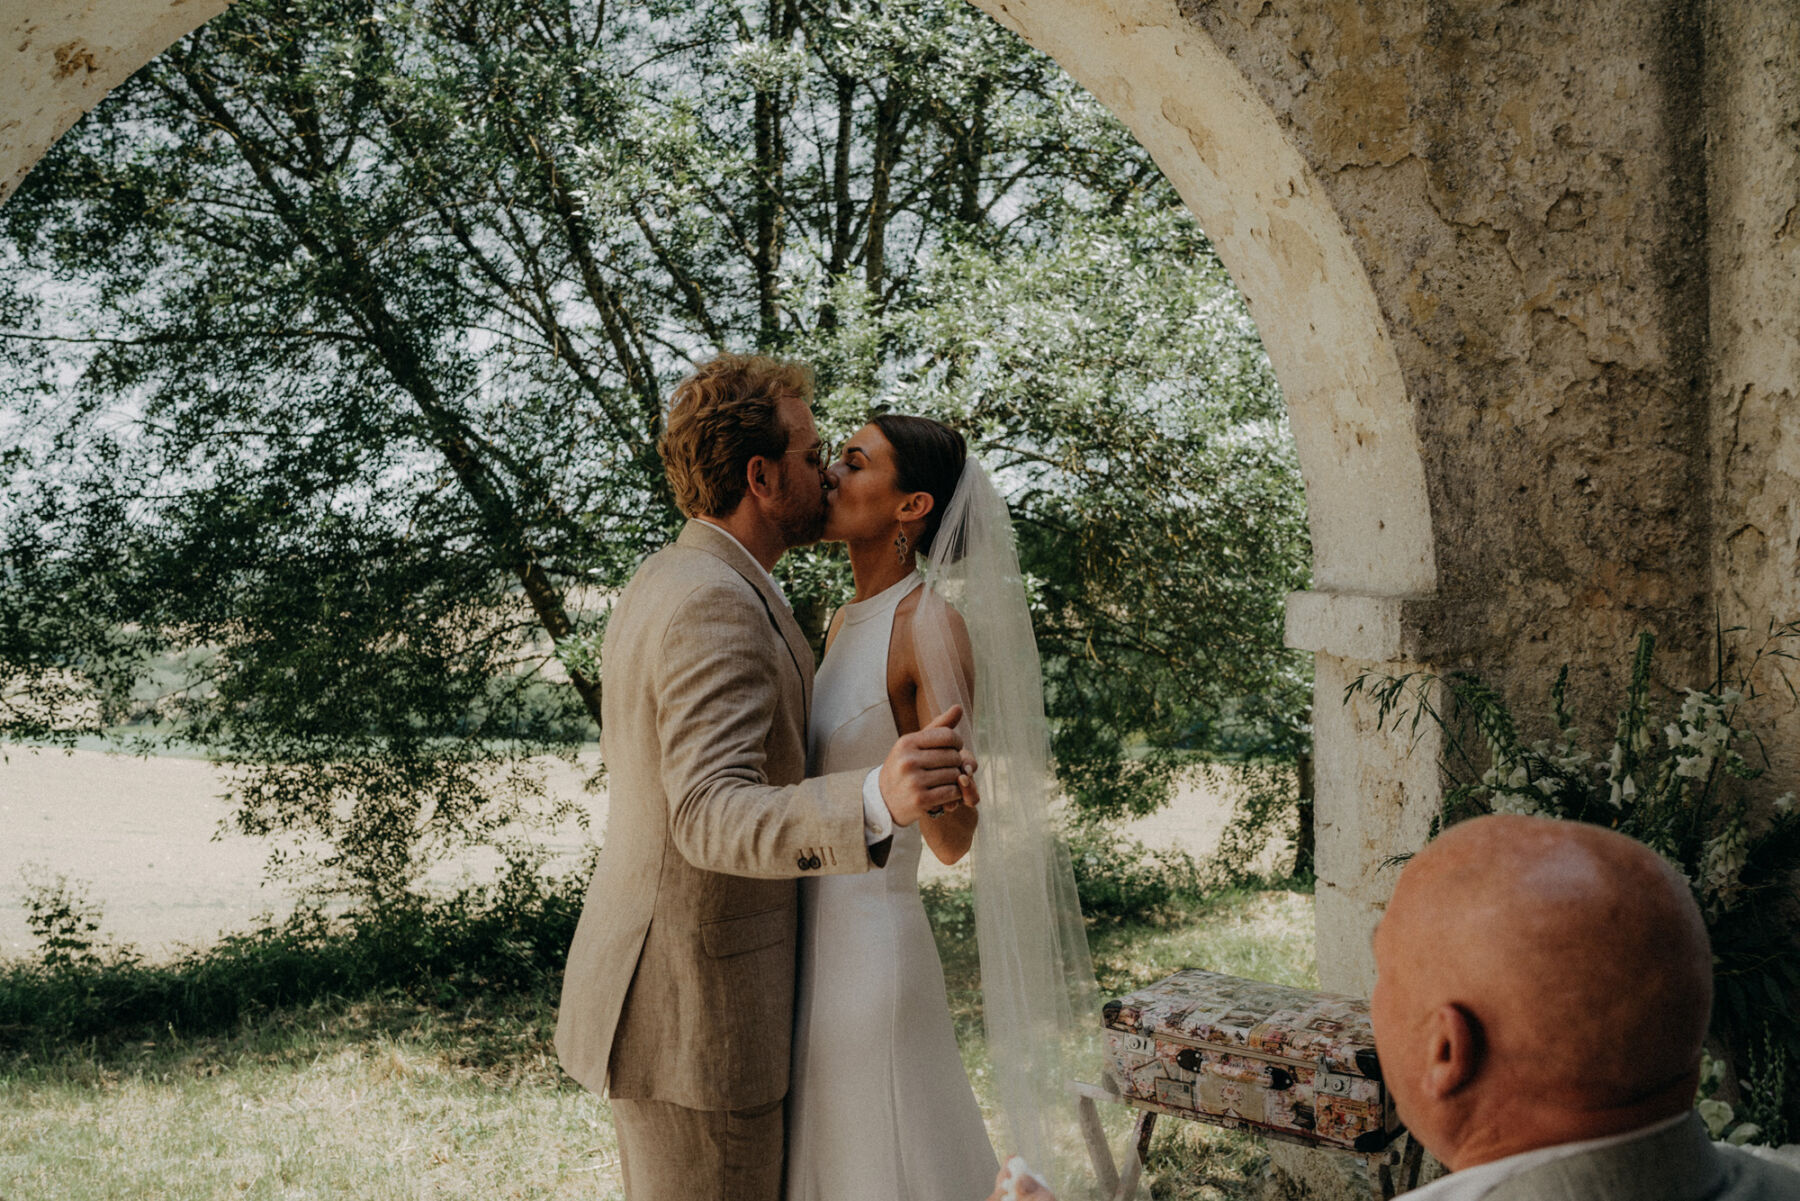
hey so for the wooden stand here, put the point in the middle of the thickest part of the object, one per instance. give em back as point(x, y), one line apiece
point(1117, 1186)
point(1391, 1172)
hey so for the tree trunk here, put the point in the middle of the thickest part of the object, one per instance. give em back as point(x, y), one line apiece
point(771, 157)
point(1305, 840)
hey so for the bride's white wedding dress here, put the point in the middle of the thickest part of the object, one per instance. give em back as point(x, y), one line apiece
point(879, 1108)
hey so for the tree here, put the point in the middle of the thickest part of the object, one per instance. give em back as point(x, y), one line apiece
point(1112, 379)
point(343, 329)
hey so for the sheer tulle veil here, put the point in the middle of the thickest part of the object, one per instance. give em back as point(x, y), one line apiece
point(1037, 979)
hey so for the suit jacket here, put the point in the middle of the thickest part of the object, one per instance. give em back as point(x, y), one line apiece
point(680, 980)
point(1678, 1164)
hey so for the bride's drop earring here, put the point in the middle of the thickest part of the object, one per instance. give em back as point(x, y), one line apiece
point(902, 547)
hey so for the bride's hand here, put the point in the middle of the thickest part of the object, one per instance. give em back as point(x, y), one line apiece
point(965, 783)
point(925, 770)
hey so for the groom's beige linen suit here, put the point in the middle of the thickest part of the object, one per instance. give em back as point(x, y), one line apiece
point(679, 994)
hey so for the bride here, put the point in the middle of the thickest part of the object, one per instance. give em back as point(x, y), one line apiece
point(880, 1108)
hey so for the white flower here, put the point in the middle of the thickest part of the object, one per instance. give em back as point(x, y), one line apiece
point(1784, 803)
point(1693, 766)
point(1522, 806)
point(1743, 1134)
point(1716, 1114)
point(1720, 863)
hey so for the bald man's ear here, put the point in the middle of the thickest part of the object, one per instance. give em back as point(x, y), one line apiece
point(1455, 1052)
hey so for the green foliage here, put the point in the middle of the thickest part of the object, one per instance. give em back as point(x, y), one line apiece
point(1267, 808)
point(65, 923)
point(1111, 378)
point(339, 336)
point(1121, 880)
point(509, 936)
point(1763, 1092)
point(1674, 778)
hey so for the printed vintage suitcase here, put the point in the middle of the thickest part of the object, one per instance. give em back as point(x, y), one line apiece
point(1286, 1062)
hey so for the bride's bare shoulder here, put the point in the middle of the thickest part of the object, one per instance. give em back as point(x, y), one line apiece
point(907, 632)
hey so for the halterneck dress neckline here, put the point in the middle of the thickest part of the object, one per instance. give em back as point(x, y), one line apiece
point(886, 599)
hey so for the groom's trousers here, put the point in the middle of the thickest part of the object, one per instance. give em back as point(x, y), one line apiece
point(672, 1153)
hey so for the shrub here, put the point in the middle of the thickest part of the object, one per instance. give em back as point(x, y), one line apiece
point(1122, 880)
point(509, 936)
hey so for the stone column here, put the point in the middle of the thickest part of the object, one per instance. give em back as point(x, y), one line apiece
point(1753, 261)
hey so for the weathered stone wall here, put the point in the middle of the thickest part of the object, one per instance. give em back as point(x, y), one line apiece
point(1526, 186)
point(1753, 202)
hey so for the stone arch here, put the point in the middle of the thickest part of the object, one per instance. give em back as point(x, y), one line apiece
point(1286, 247)
point(1375, 579)
point(62, 58)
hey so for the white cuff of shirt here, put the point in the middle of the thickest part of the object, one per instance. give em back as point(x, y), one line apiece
point(878, 823)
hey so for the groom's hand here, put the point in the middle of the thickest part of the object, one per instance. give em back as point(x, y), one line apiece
point(927, 770)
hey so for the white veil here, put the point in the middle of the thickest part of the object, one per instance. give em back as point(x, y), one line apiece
point(1037, 978)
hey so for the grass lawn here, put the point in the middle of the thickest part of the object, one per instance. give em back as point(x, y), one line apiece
point(387, 1098)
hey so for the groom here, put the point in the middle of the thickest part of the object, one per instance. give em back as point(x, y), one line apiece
point(679, 995)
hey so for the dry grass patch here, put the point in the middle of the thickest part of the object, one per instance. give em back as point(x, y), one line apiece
point(375, 1100)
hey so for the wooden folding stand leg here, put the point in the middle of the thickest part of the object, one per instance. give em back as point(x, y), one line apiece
point(1391, 1172)
point(1396, 1170)
point(1116, 1186)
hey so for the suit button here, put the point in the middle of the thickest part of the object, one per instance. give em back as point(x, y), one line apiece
point(813, 863)
point(801, 863)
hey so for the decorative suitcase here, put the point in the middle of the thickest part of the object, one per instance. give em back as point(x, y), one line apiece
point(1288, 1063)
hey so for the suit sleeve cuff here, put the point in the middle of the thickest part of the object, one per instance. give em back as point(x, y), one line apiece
point(878, 823)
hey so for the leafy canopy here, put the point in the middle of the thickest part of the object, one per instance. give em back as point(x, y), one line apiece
point(340, 336)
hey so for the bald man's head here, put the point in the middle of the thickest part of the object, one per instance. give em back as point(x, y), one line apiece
point(1539, 982)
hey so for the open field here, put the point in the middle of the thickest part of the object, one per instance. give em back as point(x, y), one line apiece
point(384, 1098)
point(139, 834)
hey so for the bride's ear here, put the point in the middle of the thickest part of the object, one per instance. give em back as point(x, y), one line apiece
point(916, 507)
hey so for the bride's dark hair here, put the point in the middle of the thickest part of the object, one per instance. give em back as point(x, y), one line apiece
point(928, 457)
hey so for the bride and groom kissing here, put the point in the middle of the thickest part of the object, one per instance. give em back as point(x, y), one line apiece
point(753, 981)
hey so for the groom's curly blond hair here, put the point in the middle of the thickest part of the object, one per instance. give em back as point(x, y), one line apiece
point(722, 416)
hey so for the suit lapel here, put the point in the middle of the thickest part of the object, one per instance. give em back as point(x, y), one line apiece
point(701, 535)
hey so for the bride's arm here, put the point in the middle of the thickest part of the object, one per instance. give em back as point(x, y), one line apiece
point(950, 834)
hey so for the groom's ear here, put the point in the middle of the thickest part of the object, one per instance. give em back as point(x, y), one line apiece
point(757, 477)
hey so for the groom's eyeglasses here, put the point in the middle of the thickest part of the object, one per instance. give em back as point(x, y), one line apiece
point(817, 455)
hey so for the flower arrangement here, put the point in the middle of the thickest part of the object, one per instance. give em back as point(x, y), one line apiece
point(1673, 777)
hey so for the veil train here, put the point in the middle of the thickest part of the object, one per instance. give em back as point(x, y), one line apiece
point(1037, 979)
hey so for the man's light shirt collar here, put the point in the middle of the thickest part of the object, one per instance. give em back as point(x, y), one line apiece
point(765, 572)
